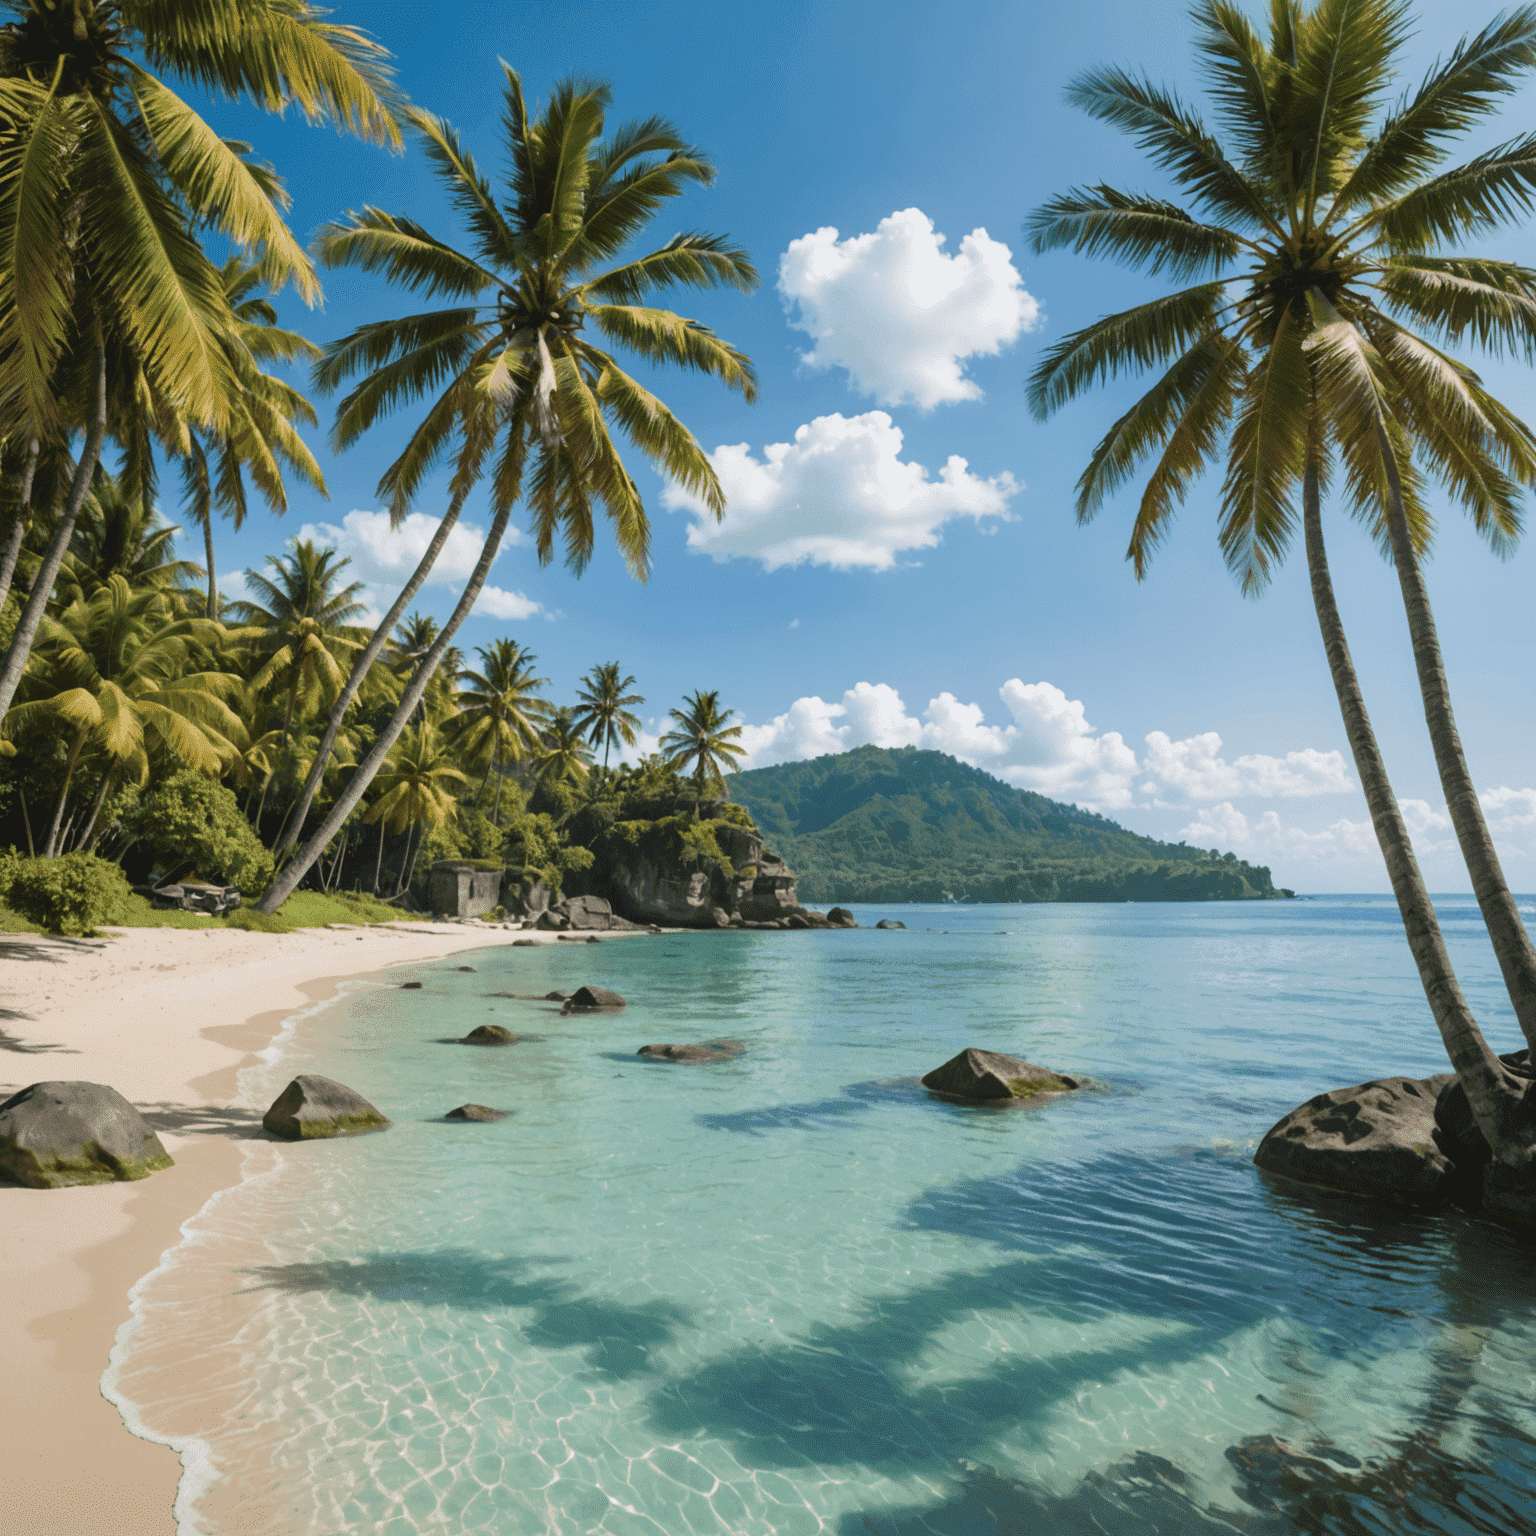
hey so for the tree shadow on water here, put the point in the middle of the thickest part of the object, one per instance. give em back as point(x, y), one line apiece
point(811, 1115)
point(617, 1336)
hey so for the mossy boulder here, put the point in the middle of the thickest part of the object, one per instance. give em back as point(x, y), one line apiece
point(988, 1075)
point(314, 1108)
point(489, 1034)
point(481, 1114)
point(704, 1050)
point(56, 1134)
point(593, 999)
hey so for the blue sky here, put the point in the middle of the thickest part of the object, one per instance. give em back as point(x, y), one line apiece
point(850, 596)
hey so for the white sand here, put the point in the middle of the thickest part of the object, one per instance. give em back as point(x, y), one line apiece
point(167, 1017)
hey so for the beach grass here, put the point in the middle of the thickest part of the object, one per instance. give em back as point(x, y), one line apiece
point(14, 922)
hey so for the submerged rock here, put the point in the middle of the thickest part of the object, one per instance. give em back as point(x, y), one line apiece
point(56, 1134)
point(311, 1108)
point(1377, 1138)
point(984, 1075)
point(410, 986)
point(706, 1050)
point(556, 997)
point(466, 968)
point(590, 999)
point(890, 922)
point(489, 1034)
point(482, 1113)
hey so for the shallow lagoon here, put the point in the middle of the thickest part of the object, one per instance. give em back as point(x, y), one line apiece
point(794, 1293)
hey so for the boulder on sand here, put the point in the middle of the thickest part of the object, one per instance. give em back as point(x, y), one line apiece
point(1377, 1139)
point(311, 1108)
point(482, 1113)
point(706, 1050)
point(589, 999)
point(984, 1075)
point(56, 1134)
point(489, 1034)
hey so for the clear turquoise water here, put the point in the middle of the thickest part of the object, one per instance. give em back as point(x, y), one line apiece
point(794, 1293)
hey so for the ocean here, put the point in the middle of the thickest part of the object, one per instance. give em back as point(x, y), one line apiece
point(794, 1293)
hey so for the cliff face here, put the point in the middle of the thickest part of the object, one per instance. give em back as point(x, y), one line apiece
point(692, 889)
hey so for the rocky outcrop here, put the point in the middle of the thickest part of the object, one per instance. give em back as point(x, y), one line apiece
point(841, 917)
point(585, 914)
point(480, 1113)
point(987, 1075)
point(56, 1134)
point(312, 1108)
point(489, 1034)
point(890, 923)
point(1378, 1139)
point(705, 1050)
point(593, 1000)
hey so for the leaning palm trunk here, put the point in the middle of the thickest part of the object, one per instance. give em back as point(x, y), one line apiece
point(1511, 942)
point(1482, 1074)
point(360, 670)
point(213, 586)
point(299, 865)
point(55, 840)
point(42, 587)
point(12, 552)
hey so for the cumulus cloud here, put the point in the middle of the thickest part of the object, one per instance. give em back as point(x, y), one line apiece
point(1267, 839)
point(1195, 768)
point(839, 495)
point(383, 558)
point(901, 314)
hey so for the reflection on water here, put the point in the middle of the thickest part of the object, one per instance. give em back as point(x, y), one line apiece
point(795, 1293)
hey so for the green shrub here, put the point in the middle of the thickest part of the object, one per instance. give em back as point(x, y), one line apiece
point(72, 894)
point(188, 817)
point(10, 861)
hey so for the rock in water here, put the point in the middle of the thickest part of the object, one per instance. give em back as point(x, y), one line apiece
point(311, 1108)
point(707, 1050)
point(489, 1034)
point(987, 1075)
point(1377, 1138)
point(478, 1112)
point(585, 999)
point(56, 1134)
point(466, 967)
point(890, 922)
point(410, 986)
point(557, 997)
point(841, 917)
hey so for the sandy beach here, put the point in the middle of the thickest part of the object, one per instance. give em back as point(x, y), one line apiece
point(168, 1017)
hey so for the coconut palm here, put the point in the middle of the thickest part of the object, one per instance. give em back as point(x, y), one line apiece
point(513, 366)
point(500, 711)
point(702, 736)
point(415, 790)
point(118, 535)
point(1312, 346)
point(263, 437)
point(562, 755)
point(603, 708)
point(106, 178)
point(115, 667)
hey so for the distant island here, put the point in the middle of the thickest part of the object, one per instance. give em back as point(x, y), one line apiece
point(899, 824)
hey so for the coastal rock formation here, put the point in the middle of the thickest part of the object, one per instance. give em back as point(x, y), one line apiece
point(1456, 1132)
point(56, 1134)
point(890, 922)
point(1377, 1138)
point(841, 917)
point(481, 1113)
point(592, 999)
point(984, 1075)
point(489, 1034)
point(707, 1050)
point(311, 1108)
point(585, 914)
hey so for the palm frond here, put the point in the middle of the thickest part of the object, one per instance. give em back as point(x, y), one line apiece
point(403, 252)
point(692, 258)
point(1492, 302)
point(1493, 189)
point(660, 336)
point(1141, 231)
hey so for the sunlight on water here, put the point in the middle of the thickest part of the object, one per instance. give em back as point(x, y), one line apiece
point(793, 1293)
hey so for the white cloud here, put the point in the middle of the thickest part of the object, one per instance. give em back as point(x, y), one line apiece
point(383, 559)
point(1195, 768)
point(899, 313)
point(1224, 826)
point(839, 495)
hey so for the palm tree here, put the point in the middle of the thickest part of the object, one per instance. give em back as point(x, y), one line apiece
point(415, 789)
point(1309, 346)
point(115, 667)
point(500, 711)
point(512, 365)
point(562, 754)
point(702, 737)
point(603, 710)
point(264, 437)
point(118, 534)
point(106, 177)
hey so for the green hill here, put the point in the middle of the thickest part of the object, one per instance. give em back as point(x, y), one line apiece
point(897, 824)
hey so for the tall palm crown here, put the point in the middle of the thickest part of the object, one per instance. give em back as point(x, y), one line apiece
point(515, 360)
point(500, 708)
point(417, 784)
point(562, 754)
point(119, 535)
point(603, 708)
point(703, 736)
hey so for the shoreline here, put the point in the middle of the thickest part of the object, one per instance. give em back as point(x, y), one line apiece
point(161, 1015)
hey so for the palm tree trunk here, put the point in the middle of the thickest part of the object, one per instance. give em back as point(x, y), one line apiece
point(357, 785)
point(18, 533)
point(42, 587)
point(360, 670)
point(213, 586)
point(496, 809)
point(51, 846)
point(378, 858)
point(1481, 1072)
point(96, 805)
point(1511, 942)
point(26, 818)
